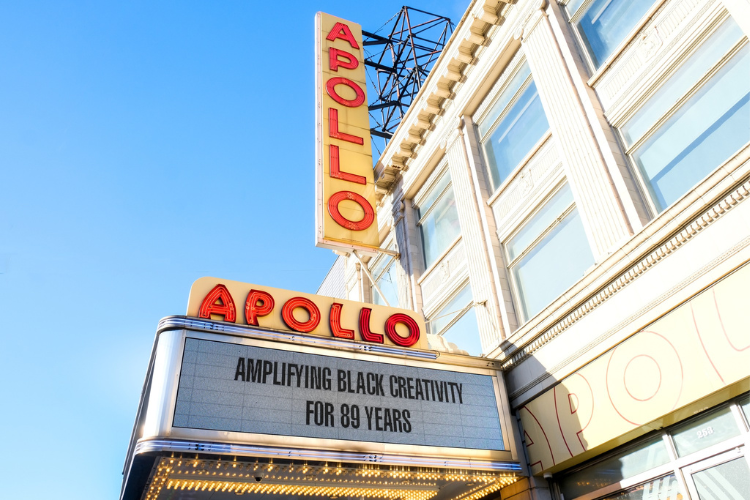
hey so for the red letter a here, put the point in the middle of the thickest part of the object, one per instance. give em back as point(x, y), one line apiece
point(225, 306)
point(341, 30)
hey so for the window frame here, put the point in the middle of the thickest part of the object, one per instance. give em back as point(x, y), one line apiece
point(642, 98)
point(460, 313)
point(427, 189)
point(489, 101)
point(572, 19)
point(390, 261)
point(679, 466)
point(510, 263)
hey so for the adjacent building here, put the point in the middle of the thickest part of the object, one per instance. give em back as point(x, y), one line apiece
point(567, 196)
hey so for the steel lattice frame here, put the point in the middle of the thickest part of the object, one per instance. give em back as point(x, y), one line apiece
point(401, 64)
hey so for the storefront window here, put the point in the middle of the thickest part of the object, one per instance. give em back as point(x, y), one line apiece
point(689, 127)
point(549, 253)
point(438, 219)
point(605, 24)
point(662, 488)
point(457, 323)
point(514, 124)
point(728, 481)
point(629, 463)
point(706, 431)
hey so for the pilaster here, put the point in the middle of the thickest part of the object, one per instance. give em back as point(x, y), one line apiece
point(596, 195)
point(480, 269)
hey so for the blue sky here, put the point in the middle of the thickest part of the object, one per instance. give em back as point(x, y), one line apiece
point(142, 145)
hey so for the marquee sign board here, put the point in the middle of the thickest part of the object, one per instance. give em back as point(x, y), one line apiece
point(345, 188)
point(285, 310)
point(242, 388)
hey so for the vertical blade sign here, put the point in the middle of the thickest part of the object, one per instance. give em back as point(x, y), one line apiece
point(345, 190)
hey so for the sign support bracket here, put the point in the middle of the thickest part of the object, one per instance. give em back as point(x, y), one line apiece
point(367, 273)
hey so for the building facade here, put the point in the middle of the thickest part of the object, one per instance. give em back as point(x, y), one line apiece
point(566, 196)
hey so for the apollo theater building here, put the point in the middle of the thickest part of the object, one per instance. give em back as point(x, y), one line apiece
point(541, 290)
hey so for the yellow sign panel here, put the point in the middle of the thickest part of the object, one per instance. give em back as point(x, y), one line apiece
point(700, 348)
point(285, 310)
point(345, 188)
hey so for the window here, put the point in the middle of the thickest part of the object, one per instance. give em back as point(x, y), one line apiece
point(457, 323)
point(604, 24)
point(548, 254)
point(438, 219)
point(512, 126)
point(696, 120)
point(384, 273)
point(708, 449)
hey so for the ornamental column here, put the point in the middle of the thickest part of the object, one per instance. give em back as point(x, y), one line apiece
point(598, 201)
point(480, 270)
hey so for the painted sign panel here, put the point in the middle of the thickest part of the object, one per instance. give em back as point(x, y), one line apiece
point(285, 310)
point(694, 351)
point(242, 388)
point(345, 191)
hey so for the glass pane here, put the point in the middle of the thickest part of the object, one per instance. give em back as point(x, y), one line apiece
point(442, 317)
point(728, 481)
point(502, 101)
point(517, 133)
point(388, 284)
point(663, 488)
point(541, 221)
point(465, 334)
point(632, 462)
point(704, 432)
point(378, 268)
point(709, 128)
point(558, 261)
point(434, 193)
point(746, 409)
point(606, 24)
point(440, 228)
point(680, 82)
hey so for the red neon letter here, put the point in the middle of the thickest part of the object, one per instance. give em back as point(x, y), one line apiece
point(336, 173)
point(390, 330)
point(333, 129)
point(225, 307)
point(287, 313)
point(349, 103)
point(334, 62)
point(333, 209)
point(341, 30)
point(257, 304)
point(335, 321)
point(364, 327)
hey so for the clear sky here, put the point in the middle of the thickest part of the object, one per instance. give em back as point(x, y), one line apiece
point(142, 145)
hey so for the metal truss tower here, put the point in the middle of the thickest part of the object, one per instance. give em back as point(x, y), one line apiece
point(399, 59)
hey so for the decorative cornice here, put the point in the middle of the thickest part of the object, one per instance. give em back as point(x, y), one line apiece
point(667, 248)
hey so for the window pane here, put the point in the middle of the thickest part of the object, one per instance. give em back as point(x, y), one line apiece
point(728, 481)
point(606, 24)
point(632, 462)
point(517, 133)
point(389, 286)
point(442, 317)
point(541, 221)
point(378, 268)
point(663, 488)
point(746, 409)
point(434, 193)
point(558, 261)
point(572, 6)
point(710, 127)
point(440, 228)
point(709, 430)
point(502, 101)
point(465, 333)
point(682, 80)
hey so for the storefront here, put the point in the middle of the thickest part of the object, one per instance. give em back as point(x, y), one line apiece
point(271, 393)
